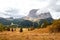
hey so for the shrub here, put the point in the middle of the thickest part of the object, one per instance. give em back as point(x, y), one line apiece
point(30, 29)
point(12, 29)
point(21, 29)
point(8, 29)
point(2, 27)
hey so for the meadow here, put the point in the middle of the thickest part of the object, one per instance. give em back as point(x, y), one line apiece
point(37, 34)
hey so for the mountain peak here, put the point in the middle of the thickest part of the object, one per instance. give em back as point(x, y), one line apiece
point(33, 15)
point(45, 15)
point(33, 12)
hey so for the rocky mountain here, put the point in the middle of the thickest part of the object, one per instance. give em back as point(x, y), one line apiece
point(32, 16)
point(45, 15)
point(28, 21)
point(32, 13)
point(39, 18)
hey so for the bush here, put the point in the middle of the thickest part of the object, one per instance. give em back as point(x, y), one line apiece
point(8, 29)
point(12, 29)
point(2, 27)
point(30, 29)
point(21, 29)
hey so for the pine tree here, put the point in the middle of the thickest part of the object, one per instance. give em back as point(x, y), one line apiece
point(44, 24)
point(21, 29)
point(39, 26)
point(12, 30)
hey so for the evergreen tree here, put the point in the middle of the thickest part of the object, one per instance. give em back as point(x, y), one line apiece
point(39, 26)
point(44, 24)
point(12, 30)
point(21, 29)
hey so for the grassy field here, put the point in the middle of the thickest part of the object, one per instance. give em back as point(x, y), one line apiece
point(37, 34)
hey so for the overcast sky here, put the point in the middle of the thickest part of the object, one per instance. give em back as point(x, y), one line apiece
point(19, 8)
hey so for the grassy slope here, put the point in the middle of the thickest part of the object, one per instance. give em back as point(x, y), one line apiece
point(38, 34)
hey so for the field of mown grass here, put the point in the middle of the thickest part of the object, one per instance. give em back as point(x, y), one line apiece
point(37, 34)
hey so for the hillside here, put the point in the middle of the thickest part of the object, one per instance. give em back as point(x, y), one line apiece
point(29, 20)
point(51, 32)
point(29, 35)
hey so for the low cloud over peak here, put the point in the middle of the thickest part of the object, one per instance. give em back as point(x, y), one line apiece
point(16, 8)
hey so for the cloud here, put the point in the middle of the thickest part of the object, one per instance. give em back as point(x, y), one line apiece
point(3, 15)
point(13, 12)
point(19, 7)
point(53, 7)
point(22, 7)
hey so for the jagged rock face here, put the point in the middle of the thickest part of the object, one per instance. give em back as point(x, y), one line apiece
point(32, 13)
point(45, 15)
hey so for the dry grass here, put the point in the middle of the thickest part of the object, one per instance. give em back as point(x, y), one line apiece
point(37, 34)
